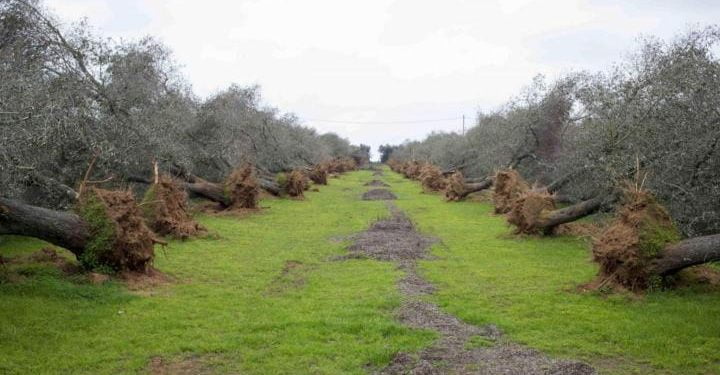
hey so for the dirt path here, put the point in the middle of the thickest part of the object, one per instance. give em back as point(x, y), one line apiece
point(461, 348)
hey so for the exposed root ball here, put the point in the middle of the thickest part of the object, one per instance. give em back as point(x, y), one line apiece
point(508, 187)
point(395, 165)
point(242, 187)
point(455, 187)
point(432, 178)
point(528, 210)
point(349, 164)
point(341, 165)
point(294, 183)
point(378, 195)
point(319, 174)
point(640, 230)
point(166, 211)
point(119, 240)
point(412, 170)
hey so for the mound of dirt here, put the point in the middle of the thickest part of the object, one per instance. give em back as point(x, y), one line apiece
point(640, 230)
point(392, 239)
point(120, 239)
point(376, 183)
point(455, 187)
point(432, 178)
point(166, 210)
point(528, 209)
point(508, 187)
point(242, 187)
point(378, 195)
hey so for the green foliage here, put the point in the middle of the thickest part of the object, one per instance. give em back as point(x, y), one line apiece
point(655, 235)
point(148, 202)
point(102, 233)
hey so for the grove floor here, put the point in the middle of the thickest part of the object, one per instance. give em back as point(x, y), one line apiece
point(266, 293)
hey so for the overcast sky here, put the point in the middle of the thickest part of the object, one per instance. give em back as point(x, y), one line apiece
point(387, 61)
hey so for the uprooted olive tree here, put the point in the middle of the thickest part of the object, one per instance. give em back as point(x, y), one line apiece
point(658, 107)
point(105, 231)
point(642, 245)
point(458, 187)
point(240, 190)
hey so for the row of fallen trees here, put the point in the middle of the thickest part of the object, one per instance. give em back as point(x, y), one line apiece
point(639, 248)
point(109, 230)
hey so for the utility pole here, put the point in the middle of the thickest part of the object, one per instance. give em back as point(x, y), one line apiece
point(463, 133)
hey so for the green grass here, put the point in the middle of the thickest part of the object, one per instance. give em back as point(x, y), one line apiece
point(231, 305)
point(528, 286)
point(262, 296)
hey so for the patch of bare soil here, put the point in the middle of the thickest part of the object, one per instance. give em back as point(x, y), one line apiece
point(378, 195)
point(395, 239)
point(378, 173)
point(376, 183)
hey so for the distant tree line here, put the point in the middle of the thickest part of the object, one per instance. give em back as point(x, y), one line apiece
point(658, 110)
point(68, 96)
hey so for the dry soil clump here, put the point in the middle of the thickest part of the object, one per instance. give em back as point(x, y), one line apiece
point(508, 187)
point(528, 210)
point(242, 188)
point(432, 178)
point(455, 187)
point(119, 237)
point(378, 195)
point(640, 230)
point(166, 210)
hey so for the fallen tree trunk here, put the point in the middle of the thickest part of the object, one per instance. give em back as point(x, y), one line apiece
point(216, 192)
point(107, 231)
point(571, 213)
point(686, 253)
point(63, 229)
point(270, 186)
point(457, 189)
point(477, 186)
point(208, 190)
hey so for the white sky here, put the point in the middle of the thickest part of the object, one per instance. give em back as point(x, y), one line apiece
point(383, 60)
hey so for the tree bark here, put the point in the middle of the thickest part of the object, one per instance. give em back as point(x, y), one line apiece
point(63, 229)
point(478, 186)
point(572, 213)
point(270, 186)
point(208, 190)
point(686, 253)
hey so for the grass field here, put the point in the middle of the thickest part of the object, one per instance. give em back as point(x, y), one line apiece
point(528, 286)
point(263, 295)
